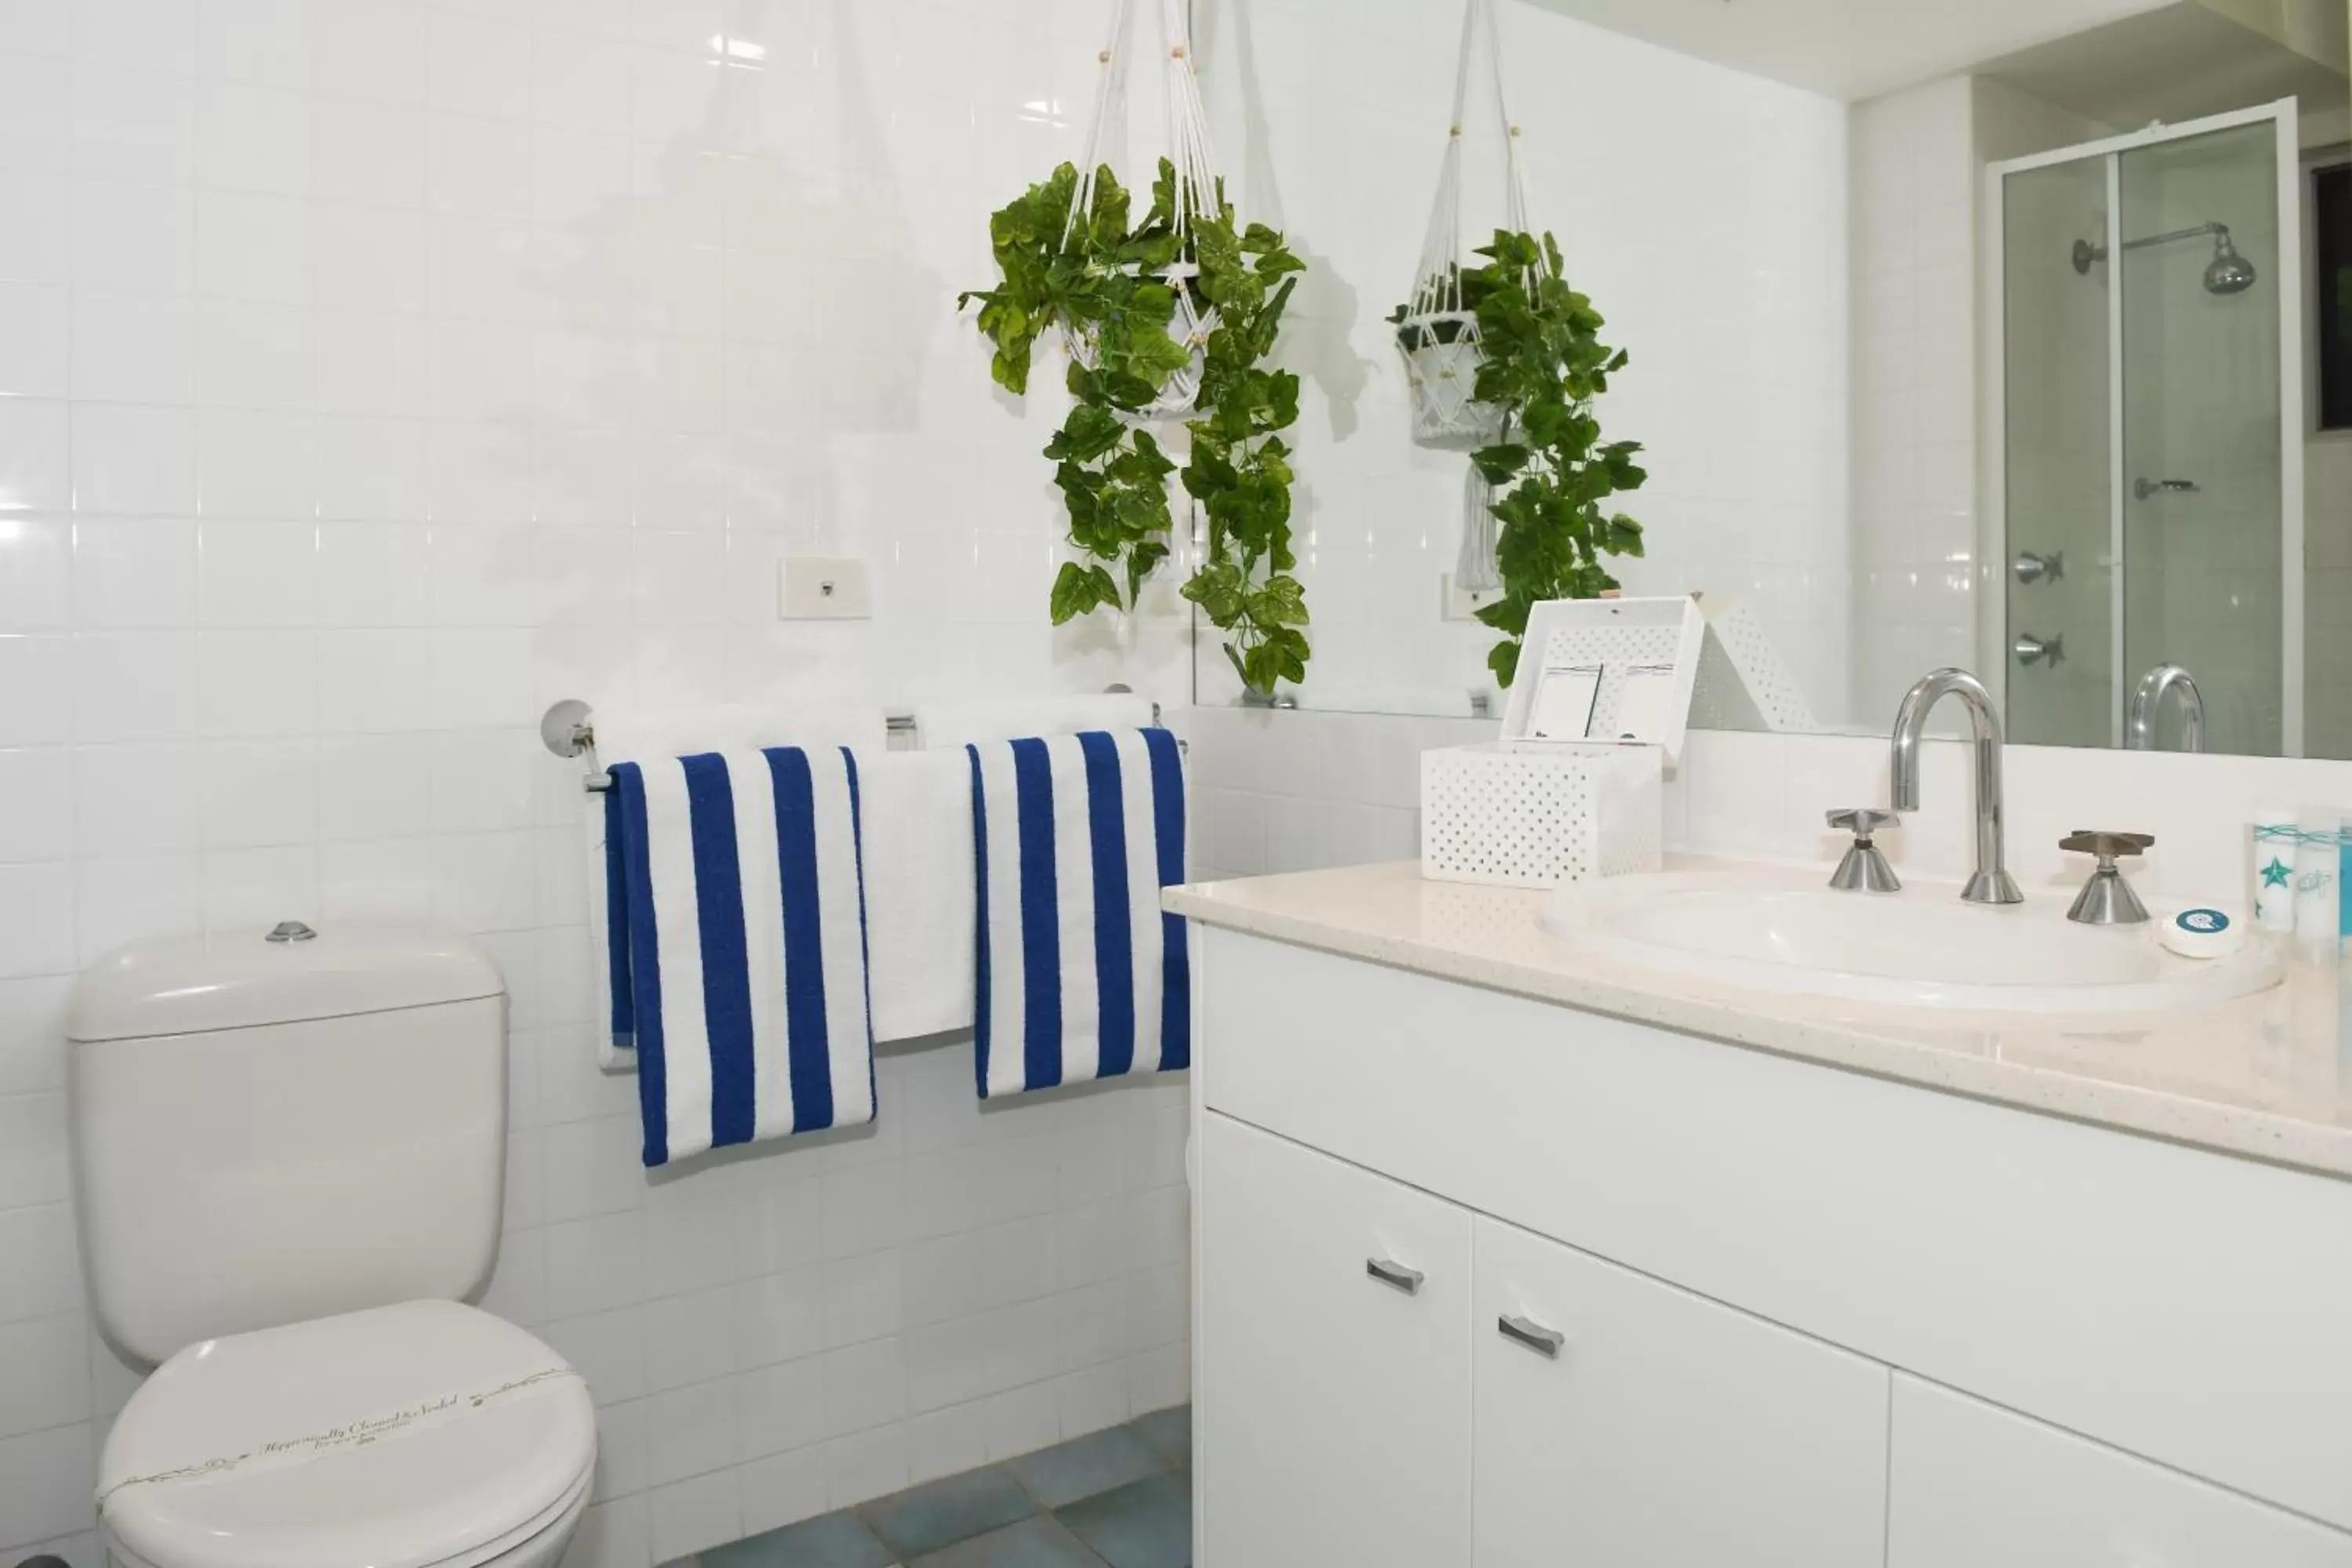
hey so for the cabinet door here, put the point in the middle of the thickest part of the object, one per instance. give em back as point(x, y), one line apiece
point(1333, 1403)
point(1977, 1487)
point(1625, 1424)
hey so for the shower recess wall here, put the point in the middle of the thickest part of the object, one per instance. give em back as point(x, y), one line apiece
point(2149, 508)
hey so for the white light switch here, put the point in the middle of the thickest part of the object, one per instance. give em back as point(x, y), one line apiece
point(823, 588)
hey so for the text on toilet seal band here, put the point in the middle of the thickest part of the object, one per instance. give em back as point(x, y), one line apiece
point(281, 1453)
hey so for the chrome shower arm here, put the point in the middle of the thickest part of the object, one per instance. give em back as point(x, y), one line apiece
point(2195, 231)
point(2088, 252)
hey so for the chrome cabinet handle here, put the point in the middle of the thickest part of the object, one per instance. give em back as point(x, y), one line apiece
point(1545, 1343)
point(1396, 1274)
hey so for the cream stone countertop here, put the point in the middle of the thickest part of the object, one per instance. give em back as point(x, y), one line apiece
point(2268, 1076)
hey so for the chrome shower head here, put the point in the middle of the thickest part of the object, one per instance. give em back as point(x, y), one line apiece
point(2229, 272)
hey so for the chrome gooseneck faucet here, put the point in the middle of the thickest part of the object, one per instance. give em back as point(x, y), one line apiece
point(1991, 883)
point(2139, 729)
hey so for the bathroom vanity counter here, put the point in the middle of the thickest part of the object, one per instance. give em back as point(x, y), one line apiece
point(1505, 1256)
point(2268, 1076)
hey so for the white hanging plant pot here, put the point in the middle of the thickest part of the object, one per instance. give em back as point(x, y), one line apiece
point(1442, 357)
point(1190, 323)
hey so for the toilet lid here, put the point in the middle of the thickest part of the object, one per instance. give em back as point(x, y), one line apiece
point(406, 1437)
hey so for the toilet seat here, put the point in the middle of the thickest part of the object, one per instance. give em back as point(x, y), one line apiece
point(429, 1435)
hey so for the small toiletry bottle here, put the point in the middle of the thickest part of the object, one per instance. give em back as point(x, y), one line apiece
point(2319, 853)
point(2343, 868)
point(2277, 843)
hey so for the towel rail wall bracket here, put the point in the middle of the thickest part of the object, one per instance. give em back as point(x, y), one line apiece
point(568, 729)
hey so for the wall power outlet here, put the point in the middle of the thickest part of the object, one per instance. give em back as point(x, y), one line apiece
point(823, 588)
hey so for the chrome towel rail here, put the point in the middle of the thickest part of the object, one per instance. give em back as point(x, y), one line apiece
point(568, 729)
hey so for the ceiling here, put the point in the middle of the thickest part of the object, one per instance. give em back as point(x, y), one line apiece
point(1848, 49)
point(2181, 63)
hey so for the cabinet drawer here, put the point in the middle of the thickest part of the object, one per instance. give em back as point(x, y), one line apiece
point(1661, 1430)
point(1333, 1404)
point(1976, 1487)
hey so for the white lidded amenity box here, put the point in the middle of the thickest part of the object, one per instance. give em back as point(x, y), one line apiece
point(1574, 789)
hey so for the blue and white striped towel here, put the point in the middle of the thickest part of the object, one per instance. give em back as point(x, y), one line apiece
point(738, 951)
point(1081, 975)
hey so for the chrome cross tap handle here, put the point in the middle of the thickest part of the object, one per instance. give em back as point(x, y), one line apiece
point(2107, 899)
point(1863, 869)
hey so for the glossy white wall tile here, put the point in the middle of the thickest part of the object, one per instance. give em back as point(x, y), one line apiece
point(374, 373)
point(1258, 809)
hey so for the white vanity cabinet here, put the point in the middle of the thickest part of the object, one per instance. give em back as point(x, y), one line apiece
point(1977, 1487)
point(1803, 1315)
point(1660, 1429)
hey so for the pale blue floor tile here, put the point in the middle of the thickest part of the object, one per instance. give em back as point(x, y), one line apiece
point(940, 1513)
point(1145, 1525)
point(1167, 1433)
point(1037, 1542)
point(1085, 1466)
point(829, 1540)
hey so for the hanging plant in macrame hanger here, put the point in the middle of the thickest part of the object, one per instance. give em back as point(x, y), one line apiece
point(1504, 360)
point(1437, 328)
point(1165, 319)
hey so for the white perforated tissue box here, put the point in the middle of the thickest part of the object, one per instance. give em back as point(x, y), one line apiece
point(1576, 787)
point(1531, 815)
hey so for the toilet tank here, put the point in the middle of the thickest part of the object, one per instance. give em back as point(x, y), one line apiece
point(265, 1130)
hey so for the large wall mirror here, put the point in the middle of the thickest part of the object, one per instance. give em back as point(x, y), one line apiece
point(2014, 334)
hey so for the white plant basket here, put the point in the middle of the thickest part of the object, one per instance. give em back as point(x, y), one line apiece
point(1442, 378)
point(1194, 160)
point(1528, 813)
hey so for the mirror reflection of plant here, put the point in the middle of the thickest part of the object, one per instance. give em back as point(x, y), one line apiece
point(1457, 289)
point(1544, 363)
point(1103, 283)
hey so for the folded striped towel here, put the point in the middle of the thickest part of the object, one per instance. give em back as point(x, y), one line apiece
point(1080, 975)
point(738, 949)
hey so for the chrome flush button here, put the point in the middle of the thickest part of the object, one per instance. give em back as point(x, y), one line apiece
point(290, 931)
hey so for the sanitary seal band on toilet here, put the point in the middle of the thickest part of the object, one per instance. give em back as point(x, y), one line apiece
point(283, 1453)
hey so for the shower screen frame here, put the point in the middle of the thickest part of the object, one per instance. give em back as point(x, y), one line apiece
point(1994, 550)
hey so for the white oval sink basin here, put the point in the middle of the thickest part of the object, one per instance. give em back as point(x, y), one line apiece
point(1784, 930)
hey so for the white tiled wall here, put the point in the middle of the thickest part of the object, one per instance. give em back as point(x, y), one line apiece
point(1914, 172)
point(1702, 211)
point(373, 373)
point(1301, 790)
point(1284, 792)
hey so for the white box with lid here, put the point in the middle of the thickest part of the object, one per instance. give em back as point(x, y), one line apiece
point(1574, 789)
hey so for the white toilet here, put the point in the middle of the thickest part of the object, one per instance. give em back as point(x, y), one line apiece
point(289, 1151)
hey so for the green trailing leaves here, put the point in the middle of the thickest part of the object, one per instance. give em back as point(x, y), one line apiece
point(1110, 284)
point(1239, 472)
point(1544, 363)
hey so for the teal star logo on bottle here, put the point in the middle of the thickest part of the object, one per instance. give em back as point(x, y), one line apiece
point(2275, 874)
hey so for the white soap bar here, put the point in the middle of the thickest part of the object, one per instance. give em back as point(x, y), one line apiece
point(2202, 933)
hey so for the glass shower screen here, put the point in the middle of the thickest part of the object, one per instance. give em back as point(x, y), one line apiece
point(2146, 503)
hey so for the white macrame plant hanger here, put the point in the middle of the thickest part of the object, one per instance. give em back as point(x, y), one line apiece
point(1438, 338)
point(1191, 155)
